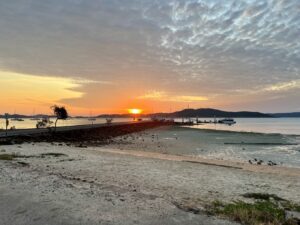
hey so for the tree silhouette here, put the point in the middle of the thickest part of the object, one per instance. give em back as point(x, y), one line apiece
point(60, 112)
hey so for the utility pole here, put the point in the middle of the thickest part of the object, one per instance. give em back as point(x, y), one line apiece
point(6, 123)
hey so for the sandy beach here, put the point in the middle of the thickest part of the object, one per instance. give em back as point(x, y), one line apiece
point(118, 185)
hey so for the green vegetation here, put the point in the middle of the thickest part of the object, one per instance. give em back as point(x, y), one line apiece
point(60, 112)
point(267, 209)
point(8, 157)
point(287, 205)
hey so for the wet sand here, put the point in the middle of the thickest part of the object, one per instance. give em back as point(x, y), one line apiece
point(244, 147)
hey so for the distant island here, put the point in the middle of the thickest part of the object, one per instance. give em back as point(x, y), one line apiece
point(291, 114)
point(201, 113)
point(208, 113)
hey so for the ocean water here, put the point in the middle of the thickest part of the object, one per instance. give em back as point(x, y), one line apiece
point(260, 125)
point(27, 123)
point(282, 149)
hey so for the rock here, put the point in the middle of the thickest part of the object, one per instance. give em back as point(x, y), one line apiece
point(23, 163)
point(6, 142)
point(81, 146)
point(292, 215)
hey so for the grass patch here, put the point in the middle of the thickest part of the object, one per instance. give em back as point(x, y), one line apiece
point(287, 205)
point(291, 206)
point(7, 157)
point(261, 212)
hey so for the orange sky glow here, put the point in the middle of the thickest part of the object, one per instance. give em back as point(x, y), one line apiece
point(100, 57)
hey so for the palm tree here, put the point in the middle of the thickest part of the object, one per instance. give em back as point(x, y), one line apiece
point(60, 112)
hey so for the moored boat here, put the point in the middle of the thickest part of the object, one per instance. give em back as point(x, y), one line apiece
point(228, 121)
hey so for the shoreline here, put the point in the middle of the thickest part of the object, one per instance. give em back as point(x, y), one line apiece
point(116, 185)
point(81, 133)
point(279, 170)
point(242, 132)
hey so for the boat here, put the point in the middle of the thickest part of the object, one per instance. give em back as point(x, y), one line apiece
point(16, 117)
point(227, 121)
point(34, 117)
point(91, 118)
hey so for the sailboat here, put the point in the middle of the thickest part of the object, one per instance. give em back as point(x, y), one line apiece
point(91, 118)
point(16, 118)
point(33, 116)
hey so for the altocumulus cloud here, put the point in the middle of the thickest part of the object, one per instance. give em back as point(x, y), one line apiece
point(188, 47)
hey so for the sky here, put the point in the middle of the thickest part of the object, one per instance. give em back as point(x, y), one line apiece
point(105, 56)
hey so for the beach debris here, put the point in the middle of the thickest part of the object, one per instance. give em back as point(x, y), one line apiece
point(258, 161)
point(271, 163)
point(54, 154)
point(187, 207)
point(81, 146)
point(23, 164)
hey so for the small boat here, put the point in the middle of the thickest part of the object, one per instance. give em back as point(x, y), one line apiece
point(91, 118)
point(227, 121)
point(34, 117)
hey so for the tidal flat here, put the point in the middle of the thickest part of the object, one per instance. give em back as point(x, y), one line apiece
point(123, 182)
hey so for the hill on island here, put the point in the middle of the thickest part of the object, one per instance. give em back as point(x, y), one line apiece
point(202, 112)
point(207, 112)
point(291, 114)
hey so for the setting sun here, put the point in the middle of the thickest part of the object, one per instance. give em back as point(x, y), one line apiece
point(135, 111)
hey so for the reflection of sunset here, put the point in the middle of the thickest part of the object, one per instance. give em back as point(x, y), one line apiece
point(135, 111)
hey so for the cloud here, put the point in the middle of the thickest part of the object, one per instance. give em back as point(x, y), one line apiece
point(191, 47)
point(165, 97)
point(284, 86)
point(24, 92)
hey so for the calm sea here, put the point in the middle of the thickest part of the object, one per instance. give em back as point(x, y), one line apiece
point(27, 123)
point(261, 125)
